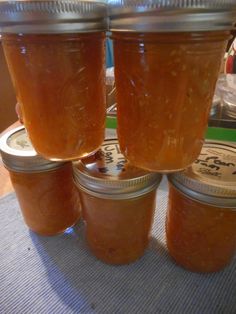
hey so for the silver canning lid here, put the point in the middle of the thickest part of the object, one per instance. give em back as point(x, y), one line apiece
point(211, 178)
point(107, 174)
point(171, 15)
point(52, 16)
point(19, 155)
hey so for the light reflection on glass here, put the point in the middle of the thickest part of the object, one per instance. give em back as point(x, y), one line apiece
point(69, 230)
point(23, 50)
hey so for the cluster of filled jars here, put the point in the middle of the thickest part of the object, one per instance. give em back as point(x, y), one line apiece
point(167, 58)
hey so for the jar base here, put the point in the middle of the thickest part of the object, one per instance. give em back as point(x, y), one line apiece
point(116, 261)
point(161, 171)
point(198, 270)
point(156, 169)
point(45, 234)
point(109, 262)
point(56, 159)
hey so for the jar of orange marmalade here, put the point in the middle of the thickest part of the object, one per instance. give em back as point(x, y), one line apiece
point(55, 53)
point(118, 204)
point(201, 217)
point(45, 190)
point(167, 58)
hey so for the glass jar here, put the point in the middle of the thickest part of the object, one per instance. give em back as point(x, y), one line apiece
point(215, 107)
point(201, 216)
point(230, 62)
point(55, 53)
point(167, 58)
point(45, 190)
point(226, 88)
point(118, 204)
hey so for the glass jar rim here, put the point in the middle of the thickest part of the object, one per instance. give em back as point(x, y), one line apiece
point(19, 155)
point(52, 16)
point(171, 16)
point(107, 173)
point(120, 196)
point(211, 178)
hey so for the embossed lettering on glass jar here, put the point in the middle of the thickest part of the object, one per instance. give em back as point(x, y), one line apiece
point(167, 58)
point(118, 204)
point(55, 53)
point(201, 217)
point(45, 190)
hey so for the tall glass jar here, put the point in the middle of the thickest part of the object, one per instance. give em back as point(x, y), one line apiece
point(45, 190)
point(201, 216)
point(55, 53)
point(118, 204)
point(167, 58)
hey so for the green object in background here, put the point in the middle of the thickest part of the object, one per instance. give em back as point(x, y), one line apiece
point(212, 133)
point(221, 134)
point(111, 122)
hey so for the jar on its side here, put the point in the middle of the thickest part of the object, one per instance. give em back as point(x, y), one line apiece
point(118, 204)
point(201, 216)
point(55, 51)
point(167, 58)
point(45, 190)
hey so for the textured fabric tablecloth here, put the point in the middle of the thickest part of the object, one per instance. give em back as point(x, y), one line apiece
point(59, 275)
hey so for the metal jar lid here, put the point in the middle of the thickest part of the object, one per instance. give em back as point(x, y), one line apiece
point(107, 174)
point(19, 155)
point(171, 15)
point(211, 178)
point(52, 16)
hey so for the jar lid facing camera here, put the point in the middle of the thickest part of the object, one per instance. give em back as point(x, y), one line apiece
point(52, 16)
point(19, 155)
point(172, 15)
point(108, 174)
point(212, 177)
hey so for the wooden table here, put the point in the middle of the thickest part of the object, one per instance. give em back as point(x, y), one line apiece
point(5, 183)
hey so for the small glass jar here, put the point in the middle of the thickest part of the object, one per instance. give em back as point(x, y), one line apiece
point(56, 52)
point(215, 107)
point(118, 204)
point(226, 88)
point(201, 217)
point(167, 58)
point(45, 190)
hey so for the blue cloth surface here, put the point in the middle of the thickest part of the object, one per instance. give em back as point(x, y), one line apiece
point(60, 275)
point(109, 53)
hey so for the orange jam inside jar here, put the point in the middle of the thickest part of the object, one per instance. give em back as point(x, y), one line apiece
point(201, 217)
point(165, 71)
point(45, 190)
point(118, 204)
point(57, 67)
